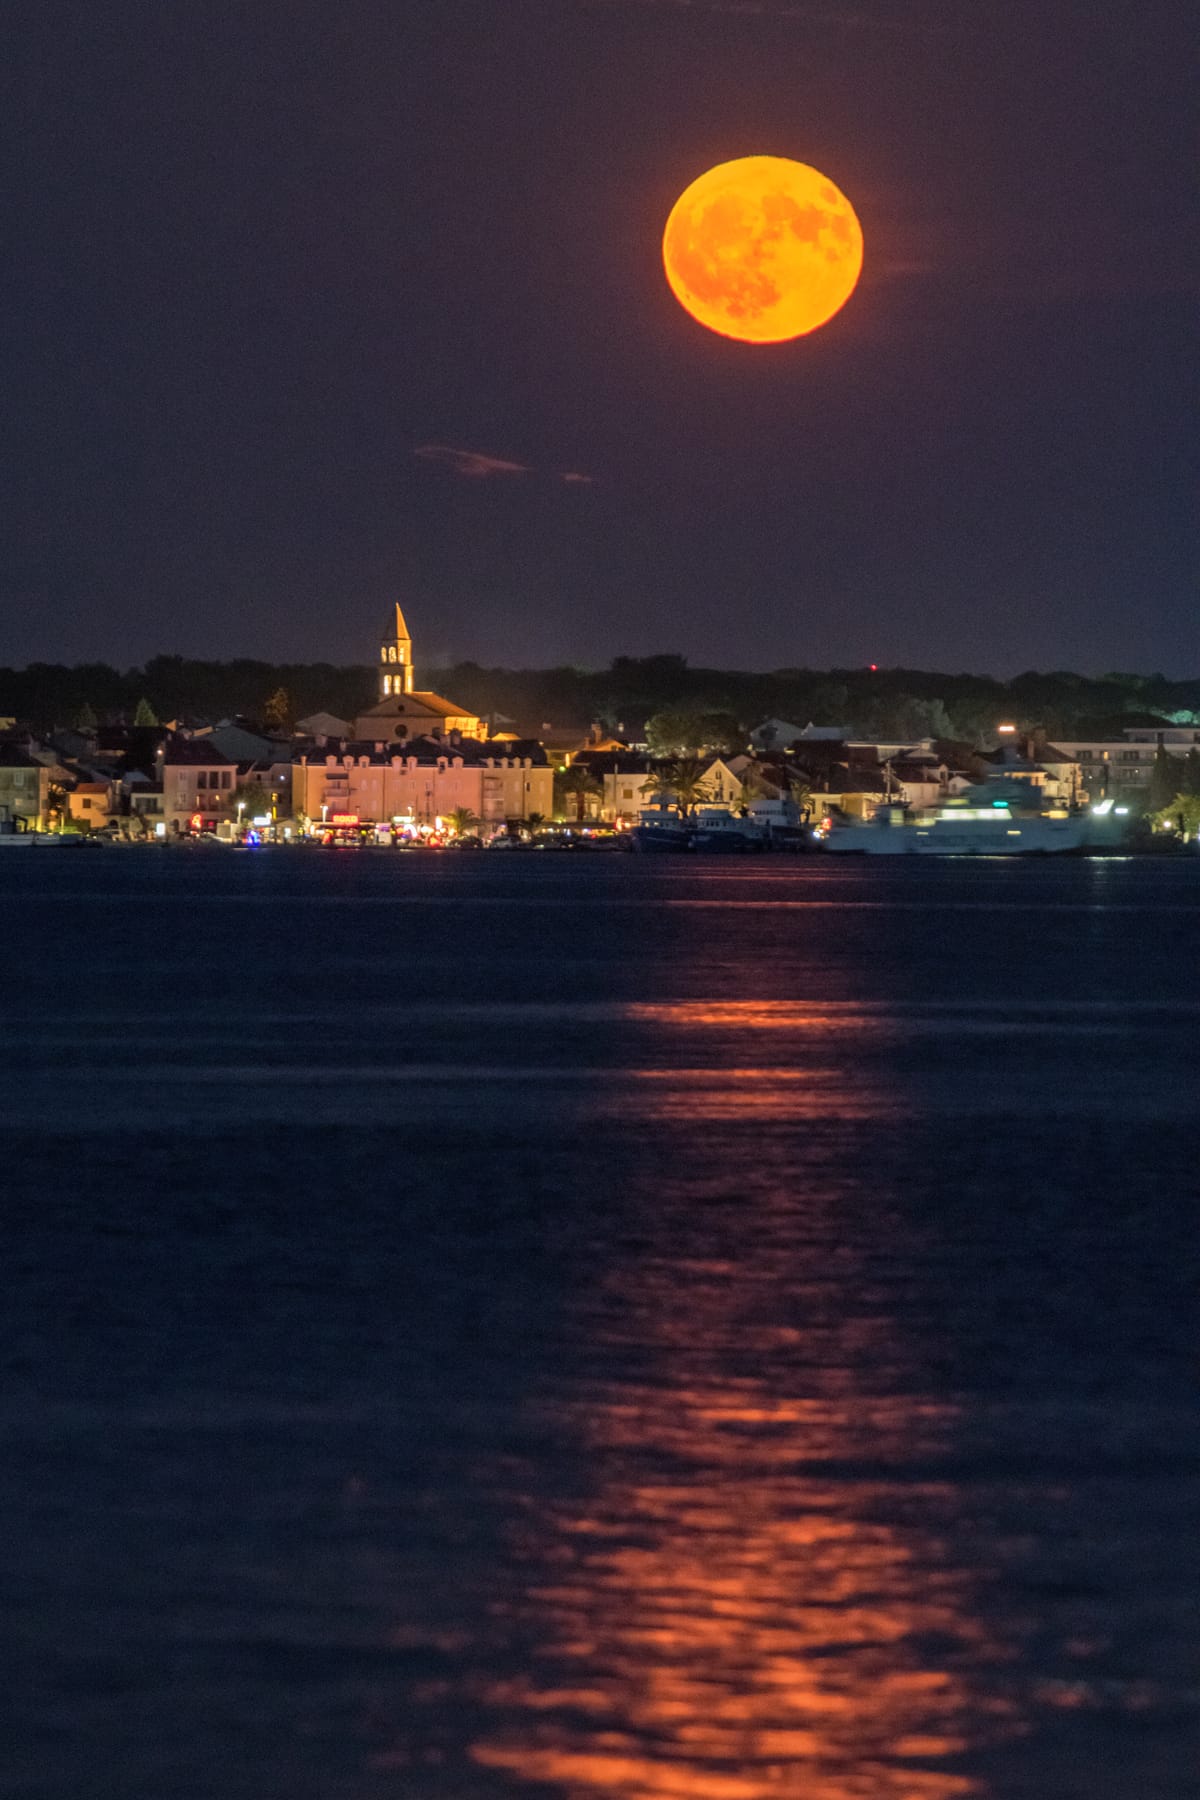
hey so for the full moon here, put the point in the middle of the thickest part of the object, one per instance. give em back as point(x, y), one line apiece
point(763, 249)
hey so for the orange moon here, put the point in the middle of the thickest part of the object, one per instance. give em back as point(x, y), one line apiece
point(763, 249)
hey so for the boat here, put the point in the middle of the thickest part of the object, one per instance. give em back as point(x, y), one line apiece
point(985, 821)
point(661, 828)
point(721, 832)
point(49, 840)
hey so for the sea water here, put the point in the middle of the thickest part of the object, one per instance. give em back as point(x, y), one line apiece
point(598, 1328)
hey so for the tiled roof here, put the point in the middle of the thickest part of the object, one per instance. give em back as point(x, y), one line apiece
point(428, 750)
point(419, 702)
point(194, 753)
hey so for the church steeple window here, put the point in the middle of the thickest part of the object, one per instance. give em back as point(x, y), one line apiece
point(396, 653)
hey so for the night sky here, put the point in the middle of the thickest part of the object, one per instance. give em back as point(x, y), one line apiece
point(309, 306)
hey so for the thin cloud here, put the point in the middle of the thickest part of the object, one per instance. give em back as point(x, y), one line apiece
point(477, 465)
point(471, 463)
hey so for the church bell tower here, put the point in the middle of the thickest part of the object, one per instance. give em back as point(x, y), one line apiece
point(395, 661)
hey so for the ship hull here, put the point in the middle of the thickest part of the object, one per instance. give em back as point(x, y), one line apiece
point(946, 837)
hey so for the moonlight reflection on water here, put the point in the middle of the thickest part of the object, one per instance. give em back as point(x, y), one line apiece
point(600, 1332)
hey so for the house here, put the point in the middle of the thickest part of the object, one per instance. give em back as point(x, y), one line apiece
point(777, 734)
point(853, 789)
point(142, 801)
point(90, 803)
point(723, 782)
point(919, 781)
point(622, 775)
point(323, 725)
point(198, 785)
point(237, 740)
point(24, 790)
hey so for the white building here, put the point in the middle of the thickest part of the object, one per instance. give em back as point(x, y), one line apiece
point(1121, 767)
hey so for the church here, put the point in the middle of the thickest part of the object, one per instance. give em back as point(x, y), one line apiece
point(404, 711)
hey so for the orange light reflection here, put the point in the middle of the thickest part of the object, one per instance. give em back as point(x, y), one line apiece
point(754, 1591)
point(761, 1620)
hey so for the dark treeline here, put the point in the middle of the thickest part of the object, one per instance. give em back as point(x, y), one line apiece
point(884, 702)
point(176, 687)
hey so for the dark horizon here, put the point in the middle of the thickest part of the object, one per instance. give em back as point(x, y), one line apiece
point(911, 702)
point(127, 668)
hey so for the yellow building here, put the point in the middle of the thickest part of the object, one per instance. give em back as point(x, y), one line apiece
point(404, 711)
point(90, 803)
point(431, 781)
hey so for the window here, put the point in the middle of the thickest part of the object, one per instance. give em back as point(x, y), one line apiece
point(226, 778)
point(202, 779)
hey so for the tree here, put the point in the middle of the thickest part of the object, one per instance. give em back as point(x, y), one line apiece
point(800, 793)
point(688, 731)
point(255, 798)
point(905, 718)
point(277, 712)
point(85, 719)
point(1181, 815)
point(1190, 784)
point(145, 716)
point(56, 803)
point(577, 783)
point(682, 780)
point(462, 821)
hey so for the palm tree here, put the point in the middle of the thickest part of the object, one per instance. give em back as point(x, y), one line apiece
point(462, 821)
point(800, 793)
point(682, 780)
point(577, 782)
point(56, 804)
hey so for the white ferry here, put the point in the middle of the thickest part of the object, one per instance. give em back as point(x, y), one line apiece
point(982, 823)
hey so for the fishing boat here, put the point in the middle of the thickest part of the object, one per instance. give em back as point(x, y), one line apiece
point(721, 832)
point(661, 828)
